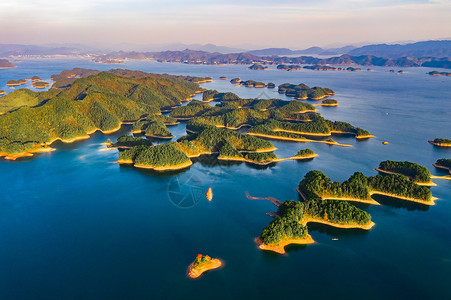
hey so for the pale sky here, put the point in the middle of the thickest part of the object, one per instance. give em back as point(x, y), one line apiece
point(296, 24)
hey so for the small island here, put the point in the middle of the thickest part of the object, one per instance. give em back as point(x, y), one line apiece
point(16, 82)
point(257, 66)
point(40, 84)
point(327, 102)
point(303, 92)
point(5, 64)
point(2, 92)
point(235, 80)
point(320, 68)
point(223, 78)
point(201, 264)
point(437, 73)
point(446, 143)
point(289, 67)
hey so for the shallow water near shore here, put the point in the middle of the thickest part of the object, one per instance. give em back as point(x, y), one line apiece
point(74, 224)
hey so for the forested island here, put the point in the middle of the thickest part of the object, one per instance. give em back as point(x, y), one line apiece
point(258, 66)
point(303, 92)
point(201, 264)
point(359, 188)
point(6, 64)
point(290, 223)
point(327, 102)
point(419, 174)
point(32, 121)
point(441, 142)
point(289, 67)
point(437, 73)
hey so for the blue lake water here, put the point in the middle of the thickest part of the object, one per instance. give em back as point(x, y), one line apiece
point(75, 225)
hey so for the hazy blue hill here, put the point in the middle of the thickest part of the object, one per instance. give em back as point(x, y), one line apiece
point(419, 49)
point(271, 51)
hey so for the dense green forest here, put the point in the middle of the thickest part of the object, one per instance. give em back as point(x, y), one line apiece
point(227, 150)
point(143, 123)
point(253, 83)
point(339, 212)
point(316, 185)
point(158, 129)
point(211, 139)
point(101, 101)
point(192, 109)
point(227, 142)
point(410, 169)
point(261, 157)
point(444, 162)
point(209, 95)
point(164, 155)
point(131, 141)
point(330, 102)
point(286, 226)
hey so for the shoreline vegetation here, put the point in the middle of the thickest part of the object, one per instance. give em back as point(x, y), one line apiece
point(202, 264)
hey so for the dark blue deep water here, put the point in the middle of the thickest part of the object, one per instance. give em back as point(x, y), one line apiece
point(75, 225)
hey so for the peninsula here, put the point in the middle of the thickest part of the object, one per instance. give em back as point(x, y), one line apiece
point(359, 188)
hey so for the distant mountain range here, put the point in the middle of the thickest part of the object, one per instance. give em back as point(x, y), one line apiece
point(216, 58)
point(419, 49)
point(429, 54)
point(308, 51)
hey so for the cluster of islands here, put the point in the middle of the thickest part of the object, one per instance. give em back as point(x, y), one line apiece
point(82, 101)
point(327, 202)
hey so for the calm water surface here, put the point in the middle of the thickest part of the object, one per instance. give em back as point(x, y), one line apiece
point(75, 225)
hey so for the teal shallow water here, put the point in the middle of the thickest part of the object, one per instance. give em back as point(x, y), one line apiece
point(75, 225)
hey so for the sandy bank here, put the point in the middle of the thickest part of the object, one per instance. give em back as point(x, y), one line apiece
point(166, 168)
point(302, 140)
point(446, 145)
point(196, 271)
point(280, 247)
point(430, 202)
